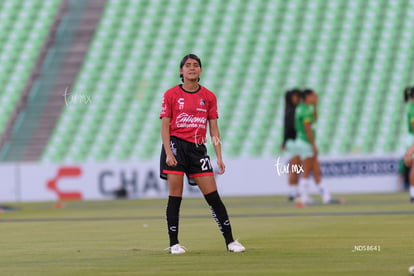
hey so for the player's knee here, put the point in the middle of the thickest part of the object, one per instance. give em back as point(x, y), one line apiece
point(207, 184)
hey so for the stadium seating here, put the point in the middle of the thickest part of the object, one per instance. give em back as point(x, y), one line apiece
point(24, 26)
point(356, 54)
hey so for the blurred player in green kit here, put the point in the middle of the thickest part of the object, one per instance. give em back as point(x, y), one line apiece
point(305, 117)
point(409, 97)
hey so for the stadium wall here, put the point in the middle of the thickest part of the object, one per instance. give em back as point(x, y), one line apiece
point(244, 177)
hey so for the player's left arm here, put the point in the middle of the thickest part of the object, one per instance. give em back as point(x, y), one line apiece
point(315, 108)
point(215, 138)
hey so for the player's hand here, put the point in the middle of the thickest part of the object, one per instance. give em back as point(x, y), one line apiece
point(171, 161)
point(282, 148)
point(315, 150)
point(221, 166)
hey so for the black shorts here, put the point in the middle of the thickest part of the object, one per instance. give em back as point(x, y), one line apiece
point(192, 159)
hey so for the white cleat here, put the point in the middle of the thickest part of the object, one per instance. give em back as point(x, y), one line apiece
point(235, 246)
point(177, 249)
point(305, 200)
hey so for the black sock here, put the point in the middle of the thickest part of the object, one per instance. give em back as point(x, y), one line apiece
point(173, 214)
point(219, 213)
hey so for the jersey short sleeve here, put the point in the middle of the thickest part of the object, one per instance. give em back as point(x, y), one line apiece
point(166, 106)
point(212, 107)
point(304, 114)
point(307, 116)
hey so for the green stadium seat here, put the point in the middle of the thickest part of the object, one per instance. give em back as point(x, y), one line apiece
point(252, 53)
point(24, 27)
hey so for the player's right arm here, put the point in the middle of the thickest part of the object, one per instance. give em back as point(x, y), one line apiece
point(165, 136)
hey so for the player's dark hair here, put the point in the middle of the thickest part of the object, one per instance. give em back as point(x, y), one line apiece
point(408, 93)
point(289, 96)
point(305, 93)
point(296, 92)
point(289, 118)
point(192, 56)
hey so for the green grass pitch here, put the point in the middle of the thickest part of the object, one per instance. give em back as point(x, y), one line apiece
point(368, 235)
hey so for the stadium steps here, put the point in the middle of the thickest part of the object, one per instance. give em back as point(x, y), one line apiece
point(69, 69)
point(26, 34)
point(41, 86)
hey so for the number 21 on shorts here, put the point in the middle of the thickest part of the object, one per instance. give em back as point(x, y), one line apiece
point(205, 164)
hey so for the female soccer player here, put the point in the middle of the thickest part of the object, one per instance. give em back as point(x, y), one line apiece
point(187, 109)
point(306, 114)
point(292, 99)
point(409, 97)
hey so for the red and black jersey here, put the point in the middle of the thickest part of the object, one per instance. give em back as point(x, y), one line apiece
point(189, 112)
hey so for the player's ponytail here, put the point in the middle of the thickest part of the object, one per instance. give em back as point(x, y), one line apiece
point(408, 93)
point(288, 98)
